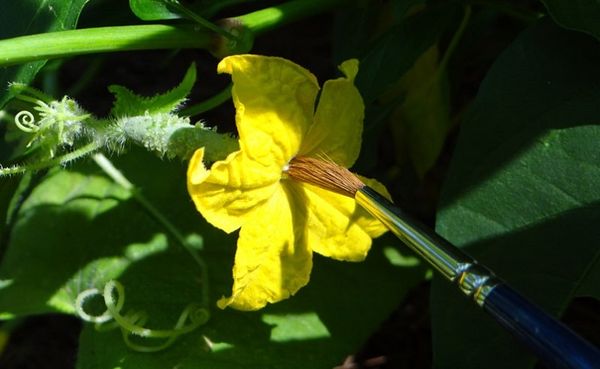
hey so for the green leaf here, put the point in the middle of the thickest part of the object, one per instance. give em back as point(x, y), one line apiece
point(383, 64)
point(77, 230)
point(20, 18)
point(420, 123)
point(129, 104)
point(149, 10)
point(158, 9)
point(580, 15)
point(63, 210)
point(310, 330)
point(522, 191)
point(397, 50)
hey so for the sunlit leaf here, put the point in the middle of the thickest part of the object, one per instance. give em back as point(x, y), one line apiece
point(149, 10)
point(152, 10)
point(78, 229)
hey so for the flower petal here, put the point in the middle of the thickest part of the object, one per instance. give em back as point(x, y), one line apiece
point(272, 261)
point(337, 129)
point(373, 226)
point(227, 194)
point(336, 226)
point(274, 100)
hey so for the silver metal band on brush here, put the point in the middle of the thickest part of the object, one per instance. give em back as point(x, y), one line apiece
point(473, 279)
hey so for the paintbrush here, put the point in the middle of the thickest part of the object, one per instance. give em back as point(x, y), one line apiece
point(550, 340)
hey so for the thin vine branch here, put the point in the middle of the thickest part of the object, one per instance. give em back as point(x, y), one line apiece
point(59, 160)
point(107, 166)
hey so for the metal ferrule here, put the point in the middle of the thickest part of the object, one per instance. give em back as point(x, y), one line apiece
point(473, 279)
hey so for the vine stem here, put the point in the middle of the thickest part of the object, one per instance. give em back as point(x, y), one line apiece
point(201, 21)
point(115, 174)
point(423, 89)
point(142, 37)
point(21, 89)
point(61, 160)
point(456, 38)
point(102, 39)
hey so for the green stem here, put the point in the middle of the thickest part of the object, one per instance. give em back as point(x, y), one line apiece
point(61, 160)
point(129, 324)
point(264, 20)
point(115, 174)
point(455, 38)
point(423, 89)
point(208, 104)
point(155, 36)
point(201, 21)
point(19, 89)
point(102, 39)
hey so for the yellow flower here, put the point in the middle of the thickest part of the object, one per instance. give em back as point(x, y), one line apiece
point(283, 221)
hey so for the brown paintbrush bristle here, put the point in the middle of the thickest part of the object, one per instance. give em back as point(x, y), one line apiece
point(325, 174)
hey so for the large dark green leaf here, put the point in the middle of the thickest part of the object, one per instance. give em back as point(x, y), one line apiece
point(58, 246)
point(580, 15)
point(317, 328)
point(77, 230)
point(522, 191)
point(20, 18)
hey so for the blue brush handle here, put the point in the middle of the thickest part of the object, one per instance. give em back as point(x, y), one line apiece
point(551, 340)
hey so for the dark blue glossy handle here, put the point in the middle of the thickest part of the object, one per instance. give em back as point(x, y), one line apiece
point(554, 343)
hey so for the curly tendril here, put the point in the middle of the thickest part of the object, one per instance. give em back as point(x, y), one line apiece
point(25, 121)
point(132, 323)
